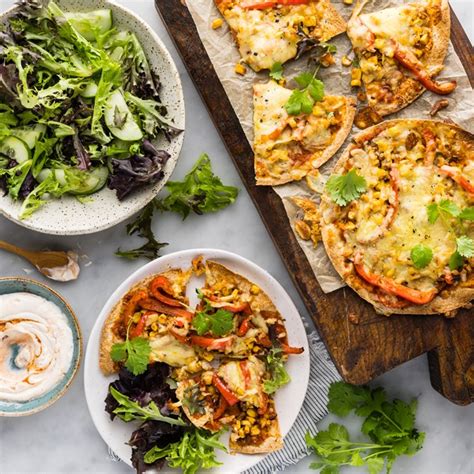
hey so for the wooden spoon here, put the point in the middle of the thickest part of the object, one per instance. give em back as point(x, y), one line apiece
point(59, 266)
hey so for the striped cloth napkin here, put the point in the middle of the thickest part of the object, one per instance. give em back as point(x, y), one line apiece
point(322, 374)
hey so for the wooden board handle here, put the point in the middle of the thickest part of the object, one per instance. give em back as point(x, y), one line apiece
point(452, 362)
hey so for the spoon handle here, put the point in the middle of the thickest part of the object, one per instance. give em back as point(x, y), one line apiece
point(14, 249)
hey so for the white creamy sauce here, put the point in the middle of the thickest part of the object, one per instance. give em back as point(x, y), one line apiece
point(36, 346)
point(67, 272)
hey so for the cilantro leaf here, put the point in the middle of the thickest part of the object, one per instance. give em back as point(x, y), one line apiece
point(433, 212)
point(346, 188)
point(456, 261)
point(201, 191)
point(445, 207)
point(421, 256)
point(465, 246)
point(389, 425)
point(467, 214)
point(135, 353)
point(302, 100)
point(218, 324)
point(276, 72)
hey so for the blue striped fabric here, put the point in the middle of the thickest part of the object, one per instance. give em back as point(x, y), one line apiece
point(322, 374)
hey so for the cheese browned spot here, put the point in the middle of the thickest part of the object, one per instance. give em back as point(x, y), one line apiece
point(286, 147)
point(401, 145)
point(269, 35)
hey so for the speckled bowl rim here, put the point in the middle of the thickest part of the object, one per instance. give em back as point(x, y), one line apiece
point(79, 342)
point(180, 93)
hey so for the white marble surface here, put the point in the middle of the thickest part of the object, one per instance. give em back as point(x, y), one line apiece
point(63, 439)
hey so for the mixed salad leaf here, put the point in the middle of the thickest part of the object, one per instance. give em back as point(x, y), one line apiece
point(201, 192)
point(389, 425)
point(79, 106)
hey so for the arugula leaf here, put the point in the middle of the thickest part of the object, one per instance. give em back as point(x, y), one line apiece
point(465, 246)
point(218, 324)
point(456, 261)
point(195, 451)
point(467, 214)
point(421, 256)
point(142, 226)
point(346, 188)
point(276, 72)
point(129, 410)
point(389, 425)
point(278, 373)
point(302, 100)
point(201, 191)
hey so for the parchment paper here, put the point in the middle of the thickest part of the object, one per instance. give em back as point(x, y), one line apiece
point(224, 55)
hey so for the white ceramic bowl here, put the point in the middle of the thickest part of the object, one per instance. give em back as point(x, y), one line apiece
point(289, 399)
point(67, 216)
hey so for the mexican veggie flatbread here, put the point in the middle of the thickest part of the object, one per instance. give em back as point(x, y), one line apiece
point(398, 217)
point(400, 50)
point(288, 147)
point(267, 32)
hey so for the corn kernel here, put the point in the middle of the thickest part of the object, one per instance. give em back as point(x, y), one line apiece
point(246, 429)
point(245, 423)
point(251, 419)
point(348, 2)
point(254, 289)
point(355, 77)
point(252, 412)
point(136, 317)
point(240, 69)
point(346, 61)
point(217, 23)
point(255, 431)
point(208, 356)
point(154, 326)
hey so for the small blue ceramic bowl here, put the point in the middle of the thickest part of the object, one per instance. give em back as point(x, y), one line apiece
point(15, 285)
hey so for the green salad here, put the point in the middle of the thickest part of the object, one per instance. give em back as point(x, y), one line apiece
point(79, 106)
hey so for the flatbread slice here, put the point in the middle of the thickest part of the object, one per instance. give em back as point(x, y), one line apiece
point(395, 245)
point(287, 147)
point(271, 442)
point(267, 32)
point(114, 329)
point(400, 50)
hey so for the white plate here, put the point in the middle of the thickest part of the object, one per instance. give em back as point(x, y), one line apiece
point(67, 216)
point(288, 399)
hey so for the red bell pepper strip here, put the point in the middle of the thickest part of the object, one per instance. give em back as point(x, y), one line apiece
point(244, 327)
point(455, 175)
point(408, 60)
point(179, 337)
point(291, 350)
point(430, 146)
point(131, 303)
point(262, 5)
point(160, 284)
point(221, 408)
point(140, 327)
point(245, 372)
point(393, 288)
point(230, 398)
point(154, 305)
point(239, 308)
point(210, 343)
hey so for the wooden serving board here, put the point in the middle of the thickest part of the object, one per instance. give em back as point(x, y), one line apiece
point(376, 344)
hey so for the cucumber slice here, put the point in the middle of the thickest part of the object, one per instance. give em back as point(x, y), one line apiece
point(43, 174)
point(91, 23)
point(94, 181)
point(116, 111)
point(90, 90)
point(16, 149)
point(60, 176)
point(30, 135)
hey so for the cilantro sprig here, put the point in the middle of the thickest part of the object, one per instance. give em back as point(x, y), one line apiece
point(218, 323)
point(453, 218)
point(135, 353)
point(345, 188)
point(278, 374)
point(302, 100)
point(389, 425)
point(276, 72)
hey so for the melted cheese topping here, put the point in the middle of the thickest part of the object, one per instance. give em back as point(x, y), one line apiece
point(286, 146)
point(271, 35)
point(169, 350)
point(419, 185)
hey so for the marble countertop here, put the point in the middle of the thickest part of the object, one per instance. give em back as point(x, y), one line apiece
point(62, 439)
